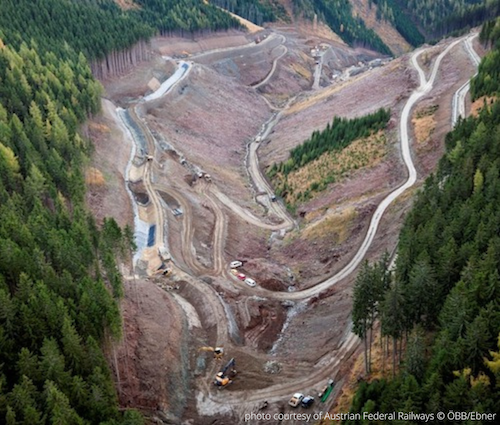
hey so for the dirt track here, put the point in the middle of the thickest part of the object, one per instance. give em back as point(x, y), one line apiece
point(215, 311)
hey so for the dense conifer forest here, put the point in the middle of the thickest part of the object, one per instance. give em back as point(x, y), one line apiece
point(184, 16)
point(254, 10)
point(85, 26)
point(59, 281)
point(338, 15)
point(392, 11)
point(98, 27)
point(336, 136)
point(442, 302)
point(435, 18)
point(416, 20)
point(440, 17)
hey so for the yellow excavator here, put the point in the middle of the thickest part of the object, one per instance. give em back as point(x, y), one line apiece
point(163, 270)
point(223, 378)
point(218, 351)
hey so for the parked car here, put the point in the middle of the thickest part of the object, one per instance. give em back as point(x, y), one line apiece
point(250, 282)
point(307, 401)
point(235, 272)
point(241, 276)
point(296, 399)
point(235, 264)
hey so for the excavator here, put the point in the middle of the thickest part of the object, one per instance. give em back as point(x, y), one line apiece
point(222, 378)
point(164, 270)
point(218, 351)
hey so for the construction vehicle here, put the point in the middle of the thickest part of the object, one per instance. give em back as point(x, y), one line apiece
point(164, 270)
point(223, 378)
point(218, 351)
point(326, 390)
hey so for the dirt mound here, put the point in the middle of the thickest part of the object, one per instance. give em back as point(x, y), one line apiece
point(132, 86)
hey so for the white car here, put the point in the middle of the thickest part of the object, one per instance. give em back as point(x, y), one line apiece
point(250, 282)
point(235, 264)
point(296, 399)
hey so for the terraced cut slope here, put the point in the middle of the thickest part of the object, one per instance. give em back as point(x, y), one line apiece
point(200, 154)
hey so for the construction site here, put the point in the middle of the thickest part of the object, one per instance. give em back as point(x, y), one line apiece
point(234, 305)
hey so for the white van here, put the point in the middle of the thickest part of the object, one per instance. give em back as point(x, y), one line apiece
point(250, 282)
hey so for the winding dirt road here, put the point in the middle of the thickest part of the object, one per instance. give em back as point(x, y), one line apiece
point(329, 367)
point(458, 105)
point(275, 64)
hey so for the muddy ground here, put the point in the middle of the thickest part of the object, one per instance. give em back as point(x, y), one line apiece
point(209, 118)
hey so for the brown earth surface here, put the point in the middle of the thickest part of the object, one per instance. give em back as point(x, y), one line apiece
point(148, 371)
point(127, 4)
point(454, 70)
point(128, 88)
point(178, 46)
point(109, 198)
point(209, 118)
point(384, 87)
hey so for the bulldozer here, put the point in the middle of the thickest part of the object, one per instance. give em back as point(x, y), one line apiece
point(223, 378)
point(218, 351)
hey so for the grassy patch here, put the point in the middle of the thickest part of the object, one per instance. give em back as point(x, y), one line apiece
point(302, 184)
point(479, 104)
point(424, 123)
point(301, 70)
point(94, 177)
point(333, 226)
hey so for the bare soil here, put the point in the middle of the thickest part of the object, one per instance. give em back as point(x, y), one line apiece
point(208, 119)
point(244, 242)
point(455, 68)
point(112, 152)
point(384, 87)
point(148, 363)
point(185, 47)
point(127, 4)
point(133, 85)
point(211, 118)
